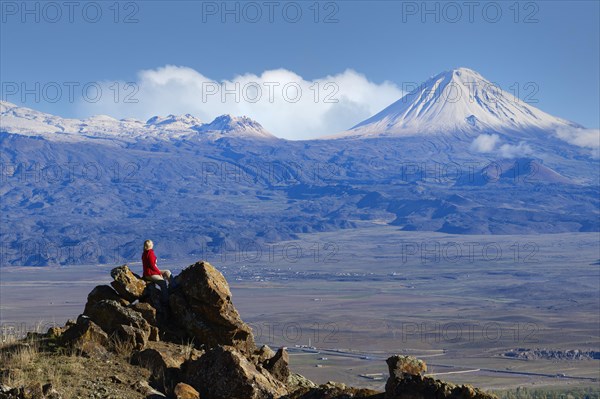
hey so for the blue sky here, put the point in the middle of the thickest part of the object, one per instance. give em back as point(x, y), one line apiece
point(545, 51)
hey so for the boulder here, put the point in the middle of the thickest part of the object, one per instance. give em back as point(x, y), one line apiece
point(109, 315)
point(127, 284)
point(85, 336)
point(202, 307)
point(104, 292)
point(185, 391)
point(225, 373)
point(278, 365)
point(399, 365)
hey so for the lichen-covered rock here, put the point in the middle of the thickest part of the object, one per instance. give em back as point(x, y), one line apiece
point(225, 373)
point(399, 364)
point(202, 307)
point(128, 285)
point(297, 381)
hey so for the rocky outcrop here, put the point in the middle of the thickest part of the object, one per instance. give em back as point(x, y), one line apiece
point(203, 309)
point(208, 351)
point(225, 373)
point(406, 382)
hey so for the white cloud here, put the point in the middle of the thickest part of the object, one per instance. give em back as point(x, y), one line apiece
point(587, 138)
point(514, 151)
point(485, 143)
point(285, 103)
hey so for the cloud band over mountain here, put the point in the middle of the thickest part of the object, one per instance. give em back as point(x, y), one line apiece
point(286, 104)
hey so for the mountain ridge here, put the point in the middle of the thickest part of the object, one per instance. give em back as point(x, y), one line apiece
point(27, 121)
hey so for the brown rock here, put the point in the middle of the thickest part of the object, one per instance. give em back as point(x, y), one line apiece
point(55, 332)
point(297, 381)
point(278, 365)
point(85, 335)
point(202, 306)
point(399, 364)
point(147, 311)
point(109, 315)
point(184, 391)
point(127, 284)
point(263, 354)
point(136, 337)
point(225, 373)
point(104, 292)
point(154, 334)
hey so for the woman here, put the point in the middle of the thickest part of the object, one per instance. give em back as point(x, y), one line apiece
point(151, 270)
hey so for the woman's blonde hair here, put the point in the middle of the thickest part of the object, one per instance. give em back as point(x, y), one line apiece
point(148, 244)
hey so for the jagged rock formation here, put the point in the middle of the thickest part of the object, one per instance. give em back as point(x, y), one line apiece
point(208, 351)
point(202, 306)
point(225, 373)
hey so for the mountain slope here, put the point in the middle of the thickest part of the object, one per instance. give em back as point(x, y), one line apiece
point(459, 100)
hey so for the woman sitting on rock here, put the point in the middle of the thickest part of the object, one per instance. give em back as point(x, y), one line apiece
point(152, 272)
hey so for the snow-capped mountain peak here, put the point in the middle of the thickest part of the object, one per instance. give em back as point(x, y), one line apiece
point(174, 121)
point(234, 126)
point(458, 100)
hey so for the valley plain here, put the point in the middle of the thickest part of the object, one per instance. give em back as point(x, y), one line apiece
point(343, 301)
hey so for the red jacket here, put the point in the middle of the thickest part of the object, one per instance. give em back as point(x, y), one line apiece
point(149, 263)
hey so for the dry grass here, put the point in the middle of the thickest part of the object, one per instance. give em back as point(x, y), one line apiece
point(27, 361)
point(122, 348)
point(187, 349)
